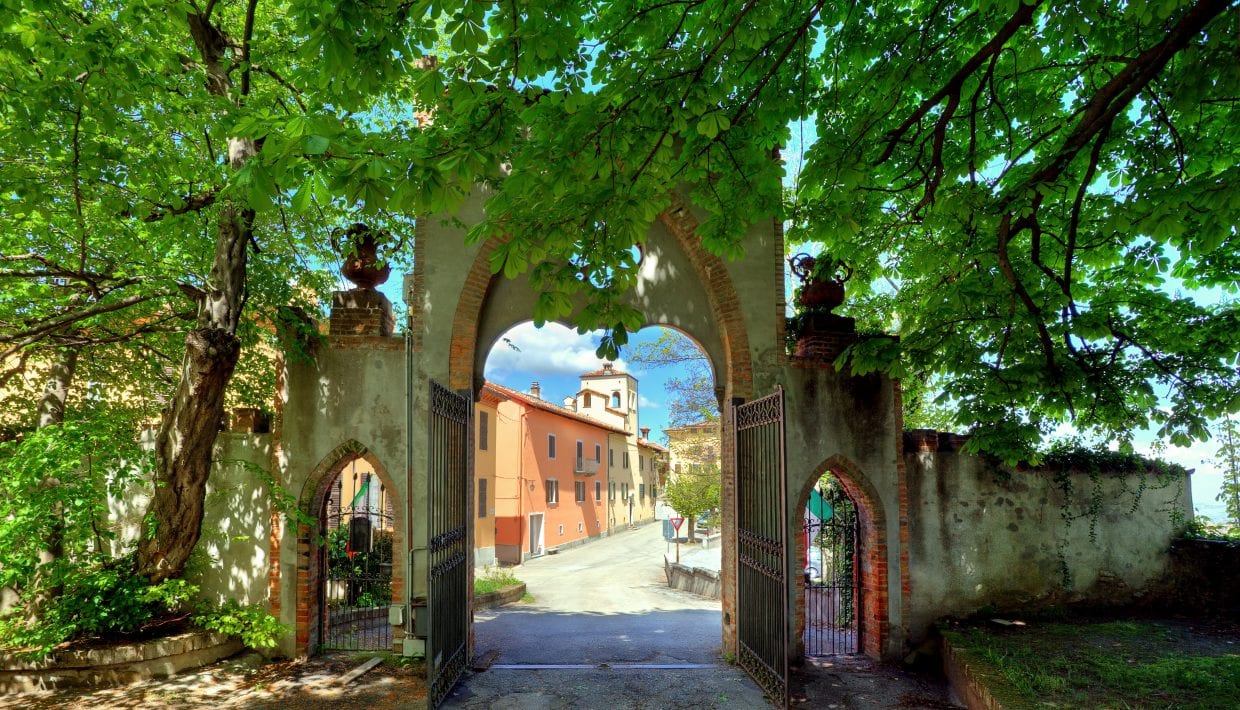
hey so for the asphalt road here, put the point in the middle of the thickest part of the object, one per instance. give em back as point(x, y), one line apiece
point(620, 637)
point(603, 602)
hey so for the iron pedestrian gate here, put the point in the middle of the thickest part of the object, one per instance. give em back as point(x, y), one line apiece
point(832, 595)
point(762, 524)
point(357, 568)
point(449, 470)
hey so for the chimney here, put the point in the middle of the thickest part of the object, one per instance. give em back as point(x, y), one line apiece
point(536, 390)
point(646, 432)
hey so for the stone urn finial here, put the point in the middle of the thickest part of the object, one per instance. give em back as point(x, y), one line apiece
point(822, 281)
point(359, 248)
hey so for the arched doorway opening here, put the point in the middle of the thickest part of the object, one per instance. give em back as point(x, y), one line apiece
point(571, 472)
point(348, 572)
point(841, 597)
point(831, 541)
point(357, 524)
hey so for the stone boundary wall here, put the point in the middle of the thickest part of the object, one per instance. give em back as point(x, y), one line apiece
point(117, 665)
point(985, 537)
point(698, 580)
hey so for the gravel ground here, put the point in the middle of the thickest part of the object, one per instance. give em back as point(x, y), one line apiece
point(247, 681)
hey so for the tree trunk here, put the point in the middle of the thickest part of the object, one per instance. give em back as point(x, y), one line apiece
point(56, 391)
point(189, 428)
point(51, 412)
point(187, 433)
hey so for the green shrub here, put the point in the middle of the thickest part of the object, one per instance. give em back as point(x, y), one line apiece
point(94, 602)
point(493, 579)
point(256, 626)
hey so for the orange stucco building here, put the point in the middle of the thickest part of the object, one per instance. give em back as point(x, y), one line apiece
point(549, 475)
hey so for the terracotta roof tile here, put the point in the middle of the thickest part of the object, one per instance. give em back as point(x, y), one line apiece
point(544, 405)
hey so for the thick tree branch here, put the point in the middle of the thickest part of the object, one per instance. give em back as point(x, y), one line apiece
point(1118, 93)
point(1021, 18)
point(193, 203)
point(29, 337)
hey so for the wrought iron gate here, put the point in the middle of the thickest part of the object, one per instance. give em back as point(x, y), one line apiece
point(357, 566)
point(832, 596)
point(762, 525)
point(449, 470)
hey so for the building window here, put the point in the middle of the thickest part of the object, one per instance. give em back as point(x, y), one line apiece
point(611, 491)
point(654, 492)
point(641, 462)
point(615, 400)
point(551, 446)
point(553, 491)
point(626, 459)
point(641, 491)
point(561, 531)
point(598, 453)
point(580, 456)
point(624, 491)
point(586, 400)
point(611, 457)
point(483, 420)
point(581, 527)
point(598, 491)
point(579, 487)
point(482, 498)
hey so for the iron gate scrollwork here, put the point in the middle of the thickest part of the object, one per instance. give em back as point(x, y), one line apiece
point(449, 471)
point(832, 595)
point(762, 523)
point(358, 530)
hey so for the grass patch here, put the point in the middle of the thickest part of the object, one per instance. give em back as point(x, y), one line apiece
point(1113, 664)
point(493, 579)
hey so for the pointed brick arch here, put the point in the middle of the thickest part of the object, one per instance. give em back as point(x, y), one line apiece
point(875, 617)
point(311, 502)
point(711, 272)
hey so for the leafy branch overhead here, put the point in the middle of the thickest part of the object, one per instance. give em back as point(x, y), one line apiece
point(1040, 198)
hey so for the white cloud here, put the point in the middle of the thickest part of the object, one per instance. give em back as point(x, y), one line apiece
point(544, 352)
point(646, 403)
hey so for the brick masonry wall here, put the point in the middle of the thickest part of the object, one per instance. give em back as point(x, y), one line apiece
point(361, 312)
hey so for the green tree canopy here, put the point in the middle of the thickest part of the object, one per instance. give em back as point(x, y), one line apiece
point(1036, 192)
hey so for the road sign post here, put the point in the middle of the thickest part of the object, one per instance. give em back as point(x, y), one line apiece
point(676, 523)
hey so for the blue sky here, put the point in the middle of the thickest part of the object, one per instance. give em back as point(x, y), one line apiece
point(556, 357)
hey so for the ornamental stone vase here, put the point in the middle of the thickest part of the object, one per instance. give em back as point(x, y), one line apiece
point(818, 294)
point(361, 263)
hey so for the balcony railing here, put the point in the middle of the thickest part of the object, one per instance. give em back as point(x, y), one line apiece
point(586, 467)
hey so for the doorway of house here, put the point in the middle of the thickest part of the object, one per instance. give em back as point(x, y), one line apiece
point(357, 527)
point(536, 534)
point(832, 594)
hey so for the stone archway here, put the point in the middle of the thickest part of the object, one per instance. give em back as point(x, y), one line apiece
point(309, 608)
point(873, 619)
point(710, 270)
point(734, 375)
